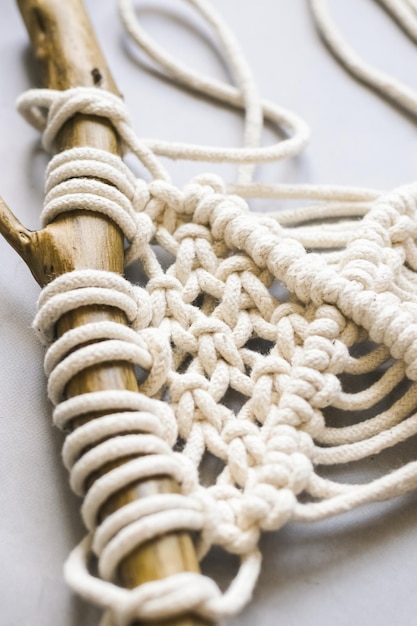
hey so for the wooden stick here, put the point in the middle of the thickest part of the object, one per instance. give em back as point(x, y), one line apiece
point(65, 45)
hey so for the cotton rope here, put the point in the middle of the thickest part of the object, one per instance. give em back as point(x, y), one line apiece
point(193, 326)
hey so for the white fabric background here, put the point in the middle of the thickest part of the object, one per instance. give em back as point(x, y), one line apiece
point(358, 569)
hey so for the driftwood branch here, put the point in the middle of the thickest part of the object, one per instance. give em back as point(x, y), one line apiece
point(19, 237)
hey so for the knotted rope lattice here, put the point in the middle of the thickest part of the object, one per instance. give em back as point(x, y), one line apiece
point(210, 326)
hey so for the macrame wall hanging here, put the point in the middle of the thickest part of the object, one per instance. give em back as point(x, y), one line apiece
point(196, 332)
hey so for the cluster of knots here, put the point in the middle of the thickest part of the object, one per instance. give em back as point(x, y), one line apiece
point(246, 337)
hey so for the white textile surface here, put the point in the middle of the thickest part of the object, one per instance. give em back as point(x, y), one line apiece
point(356, 569)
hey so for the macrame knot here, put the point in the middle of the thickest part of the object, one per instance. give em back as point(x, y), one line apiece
point(245, 450)
point(291, 330)
point(215, 341)
point(238, 531)
point(320, 389)
point(181, 385)
point(306, 280)
point(228, 218)
point(325, 355)
point(163, 282)
point(322, 326)
point(297, 411)
point(283, 471)
point(160, 354)
point(377, 277)
point(321, 351)
point(251, 461)
point(243, 515)
point(167, 194)
point(404, 199)
point(192, 231)
point(60, 106)
point(48, 110)
point(285, 438)
point(282, 256)
point(139, 244)
point(216, 211)
point(267, 507)
point(270, 366)
point(405, 228)
point(362, 250)
point(235, 265)
point(165, 204)
point(165, 292)
point(206, 188)
point(143, 308)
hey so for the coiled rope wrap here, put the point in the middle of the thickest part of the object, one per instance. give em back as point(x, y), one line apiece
point(134, 424)
point(193, 328)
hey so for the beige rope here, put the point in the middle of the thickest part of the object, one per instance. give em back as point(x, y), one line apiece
point(195, 328)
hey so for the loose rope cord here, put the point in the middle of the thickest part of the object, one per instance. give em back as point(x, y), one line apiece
point(193, 328)
point(404, 11)
point(244, 95)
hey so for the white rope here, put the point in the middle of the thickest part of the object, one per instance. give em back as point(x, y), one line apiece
point(62, 105)
point(384, 84)
point(194, 327)
point(244, 96)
